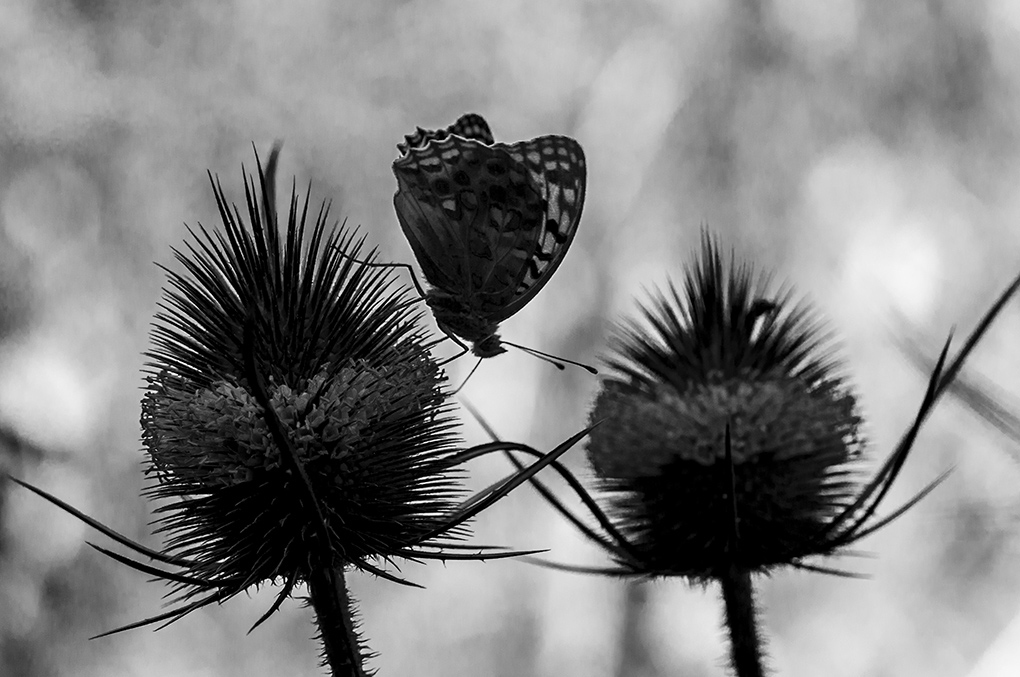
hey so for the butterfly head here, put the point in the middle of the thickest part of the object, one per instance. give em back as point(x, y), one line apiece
point(489, 346)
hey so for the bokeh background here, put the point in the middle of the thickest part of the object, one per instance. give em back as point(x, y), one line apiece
point(866, 152)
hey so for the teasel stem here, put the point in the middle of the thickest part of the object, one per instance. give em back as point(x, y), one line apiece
point(737, 591)
point(334, 614)
point(741, 621)
point(635, 657)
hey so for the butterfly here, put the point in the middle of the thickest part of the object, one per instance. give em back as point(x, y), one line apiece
point(489, 223)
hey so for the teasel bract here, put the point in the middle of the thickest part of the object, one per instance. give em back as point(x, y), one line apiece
point(979, 394)
point(295, 422)
point(731, 442)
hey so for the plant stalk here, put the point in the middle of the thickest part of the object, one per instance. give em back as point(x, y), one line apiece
point(335, 618)
point(741, 622)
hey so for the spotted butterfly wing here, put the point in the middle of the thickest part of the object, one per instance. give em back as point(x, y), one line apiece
point(556, 164)
point(468, 126)
point(488, 222)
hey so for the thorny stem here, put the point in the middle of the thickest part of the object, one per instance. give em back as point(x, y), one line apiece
point(334, 615)
point(741, 621)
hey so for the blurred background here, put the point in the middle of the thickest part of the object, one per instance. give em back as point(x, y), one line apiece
point(864, 152)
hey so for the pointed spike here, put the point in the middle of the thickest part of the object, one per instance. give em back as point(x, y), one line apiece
point(102, 528)
point(277, 603)
point(577, 569)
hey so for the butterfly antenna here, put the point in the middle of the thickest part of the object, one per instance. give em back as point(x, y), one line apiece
point(552, 359)
point(406, 266)
point(470, 374)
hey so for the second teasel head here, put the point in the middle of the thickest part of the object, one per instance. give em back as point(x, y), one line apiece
point(730, 434)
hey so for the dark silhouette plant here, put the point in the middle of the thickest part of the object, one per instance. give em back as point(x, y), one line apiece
point(295, 423)
point(731, 443)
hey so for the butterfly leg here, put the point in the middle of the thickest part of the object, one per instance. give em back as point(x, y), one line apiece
point(470, 374)
point(410, 270)
point(464, 350)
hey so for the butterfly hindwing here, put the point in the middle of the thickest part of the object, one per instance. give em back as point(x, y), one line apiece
point(469, 126)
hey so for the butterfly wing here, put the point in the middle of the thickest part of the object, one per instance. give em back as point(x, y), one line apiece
point(435, 240)
point(488, 223)
point(556, 167)
point(472, 216)
point(468, 126)
point(433, 236)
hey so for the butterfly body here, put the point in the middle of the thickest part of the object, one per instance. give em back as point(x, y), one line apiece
point(488, 222)
point(469, 323)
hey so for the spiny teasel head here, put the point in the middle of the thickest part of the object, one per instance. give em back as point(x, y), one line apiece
point(730, 435)
point(726, 442)
point(296, 424)
point(293, 413)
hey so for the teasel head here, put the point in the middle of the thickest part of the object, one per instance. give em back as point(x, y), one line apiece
point(732, 436)
point(293, 414)
point(295, 423)
point(732, 442)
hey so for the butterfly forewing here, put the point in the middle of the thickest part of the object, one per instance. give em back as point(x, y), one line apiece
point(472, 126)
